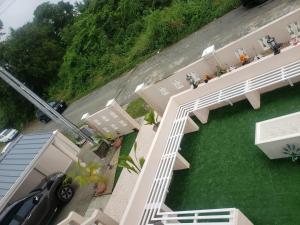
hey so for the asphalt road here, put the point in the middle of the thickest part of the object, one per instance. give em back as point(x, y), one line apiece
point(220, 32)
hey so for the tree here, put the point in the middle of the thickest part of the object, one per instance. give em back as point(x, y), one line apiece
point(1, 28)
point(56, 15)
point(33, 54)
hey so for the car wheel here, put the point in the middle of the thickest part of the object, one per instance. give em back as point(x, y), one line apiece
point(65, 193)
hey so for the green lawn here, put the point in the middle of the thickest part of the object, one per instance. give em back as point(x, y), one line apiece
point(137, 108)
point(127, 145)
point(228, 170)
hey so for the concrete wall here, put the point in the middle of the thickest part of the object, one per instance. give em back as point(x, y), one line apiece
point(111, 120)
point(33, 179)
point(141, 190)
point(249, 71)
point(273, 135)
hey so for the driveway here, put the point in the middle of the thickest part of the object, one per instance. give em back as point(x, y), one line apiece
point(220, 32)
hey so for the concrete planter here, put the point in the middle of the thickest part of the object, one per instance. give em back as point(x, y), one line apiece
point(274, 134)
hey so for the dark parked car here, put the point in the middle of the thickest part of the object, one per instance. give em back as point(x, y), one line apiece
point(59, 106)
point(40, 205)
point(251, 3)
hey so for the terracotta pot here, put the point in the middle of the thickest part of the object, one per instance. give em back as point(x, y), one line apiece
point(117, 143)
point(100, 188)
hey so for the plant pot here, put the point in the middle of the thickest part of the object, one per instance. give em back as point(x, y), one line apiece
point(100, 188)
point(117, 143)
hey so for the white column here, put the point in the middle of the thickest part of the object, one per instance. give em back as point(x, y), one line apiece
point(240, 218)
point(202, 115)
point(165, 208)
point(181, 163)
point(190, 126)
point(254, 99)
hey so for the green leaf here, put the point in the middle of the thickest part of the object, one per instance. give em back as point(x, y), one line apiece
point(142, 162)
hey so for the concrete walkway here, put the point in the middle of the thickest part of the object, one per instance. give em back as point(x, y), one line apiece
point(220, 32)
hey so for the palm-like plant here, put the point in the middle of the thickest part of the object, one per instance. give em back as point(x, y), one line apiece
point(292, 151)
point(132, 164)
point(87, 174)
point(151, 119)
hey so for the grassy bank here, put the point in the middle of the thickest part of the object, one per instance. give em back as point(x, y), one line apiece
point(110, 38)
point(137, 108)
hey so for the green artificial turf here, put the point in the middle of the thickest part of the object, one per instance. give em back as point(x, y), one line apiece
point(228, 170)
point(128, 141)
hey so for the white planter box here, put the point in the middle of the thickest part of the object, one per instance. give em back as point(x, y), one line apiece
point(273, 135)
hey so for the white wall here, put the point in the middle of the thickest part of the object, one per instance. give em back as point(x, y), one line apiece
point(111, 120)
point(31, 182)
point(273, 135)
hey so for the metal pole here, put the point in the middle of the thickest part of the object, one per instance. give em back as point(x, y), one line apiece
point(41, 104)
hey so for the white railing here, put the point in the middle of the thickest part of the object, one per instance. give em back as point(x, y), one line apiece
point(208, 216)
point(282, 74)
point(163, 175)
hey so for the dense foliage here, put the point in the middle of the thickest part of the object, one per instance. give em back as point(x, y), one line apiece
point(1, 28)
point(33, 53)
point(112, 36)
point(67, 51)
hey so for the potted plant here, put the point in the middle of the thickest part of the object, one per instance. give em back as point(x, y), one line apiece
point(134, 165)
point(151, 119)
point(103, 144)
point(219, 71)
point(89, 173)
point(244, 59)
point(117, 142)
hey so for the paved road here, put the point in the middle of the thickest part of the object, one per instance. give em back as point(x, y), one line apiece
point(220, 32)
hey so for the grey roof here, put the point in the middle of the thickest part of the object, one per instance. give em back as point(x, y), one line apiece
point(18, 158)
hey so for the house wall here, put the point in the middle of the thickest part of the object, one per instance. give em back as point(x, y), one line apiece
point(31, 181)
point(52, 161)
point(273, 135)
point(112, 120)
point(58, 156)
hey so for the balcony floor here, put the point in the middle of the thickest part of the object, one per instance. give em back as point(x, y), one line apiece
point(228, 170)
